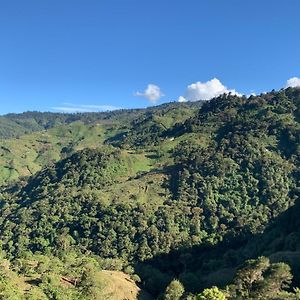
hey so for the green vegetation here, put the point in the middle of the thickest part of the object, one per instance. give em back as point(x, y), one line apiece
point(26, 155)
point(174, 290)
point(38, 277)
point(211, 294)
point(193, 201)
point(22, 155)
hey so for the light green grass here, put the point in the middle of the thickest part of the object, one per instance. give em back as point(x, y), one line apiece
point(26, 155)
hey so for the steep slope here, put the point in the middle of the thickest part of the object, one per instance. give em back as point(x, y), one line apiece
point(85, 200)
point(249, 166)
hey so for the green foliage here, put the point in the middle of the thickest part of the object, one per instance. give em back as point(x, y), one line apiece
point(8, 289)
point(33, 140)
point(53, 289)
point(174, 290)
point(260, 279)
point(179, 192)
point(36, 294)
point(250, 275)
point(211, 294)
point(73, 277)
point(15, 125)
point(90, 284)
point(150, 128)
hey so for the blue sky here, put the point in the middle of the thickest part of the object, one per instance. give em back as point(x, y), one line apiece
point(91, 54)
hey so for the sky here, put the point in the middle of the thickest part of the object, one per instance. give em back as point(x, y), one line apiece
point(90, 55)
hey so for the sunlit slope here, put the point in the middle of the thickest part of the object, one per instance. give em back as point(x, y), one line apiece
point(109, 285)
point(26, 155)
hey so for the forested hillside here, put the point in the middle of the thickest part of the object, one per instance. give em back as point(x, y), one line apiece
point(67, 133)
point(15, 125)
point(193, 200)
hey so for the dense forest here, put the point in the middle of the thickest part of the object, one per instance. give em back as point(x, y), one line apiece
point(190, 200)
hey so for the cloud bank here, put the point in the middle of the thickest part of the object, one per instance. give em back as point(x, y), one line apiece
point(152, 93)
point(75, 108)
point(206, 91)
point(293, 82)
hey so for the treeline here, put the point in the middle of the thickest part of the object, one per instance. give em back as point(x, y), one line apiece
point(15, 125)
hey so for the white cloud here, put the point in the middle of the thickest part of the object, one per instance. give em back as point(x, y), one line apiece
point(181, 99)
point(206, 90)
point(153, 93)
point(251, 94)
point(74, 108)
point(293, 82)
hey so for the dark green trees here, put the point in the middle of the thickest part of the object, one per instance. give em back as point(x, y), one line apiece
point(260, 279)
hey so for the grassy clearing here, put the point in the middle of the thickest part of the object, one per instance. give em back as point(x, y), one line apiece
point(146, 188)
point(26, 155)
point(119, 286)
point(115, 285)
